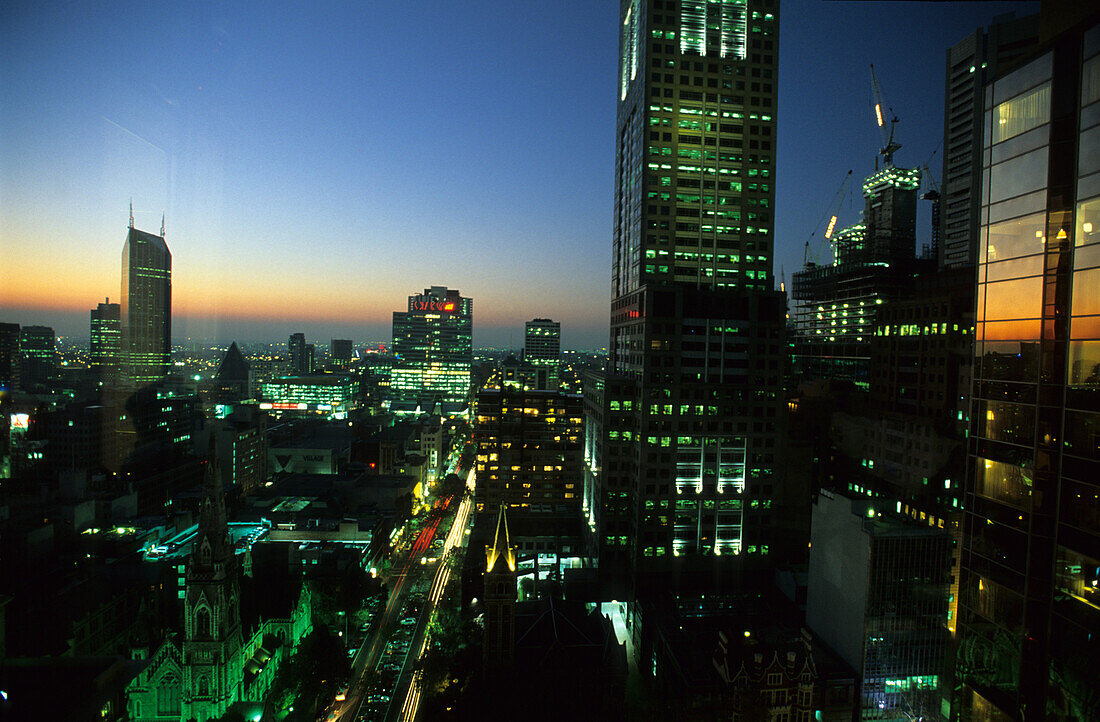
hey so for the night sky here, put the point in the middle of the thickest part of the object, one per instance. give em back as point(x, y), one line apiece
point(319, 162)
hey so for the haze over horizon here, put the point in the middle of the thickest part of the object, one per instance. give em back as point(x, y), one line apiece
point(314, 183)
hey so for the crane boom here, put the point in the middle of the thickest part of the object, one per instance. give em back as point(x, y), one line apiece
point(889, 146)
point(810, 254)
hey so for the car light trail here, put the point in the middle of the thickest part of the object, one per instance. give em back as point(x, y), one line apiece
point(442, 576)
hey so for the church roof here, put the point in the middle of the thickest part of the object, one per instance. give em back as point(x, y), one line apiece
point(501, 545)
point(233, 366)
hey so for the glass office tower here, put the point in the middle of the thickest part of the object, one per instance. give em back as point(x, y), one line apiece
point(432, 341)
point(696, 330)
point(1030, 585)
point(146, 307)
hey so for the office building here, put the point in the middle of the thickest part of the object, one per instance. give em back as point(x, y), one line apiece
point(341, 351)
point(836, 304)
point(1028, 611)
point(331, 395)
point(542, 349)
point(529, 448)
point(37, 355)
point(105, 347)
point(877, 595)
point(971, 62)
point(9, 356)
point(301, 355)
point(146, 308)
point(432, 341)
point(697, 334)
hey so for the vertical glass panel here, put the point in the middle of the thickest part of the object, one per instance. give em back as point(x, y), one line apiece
point(1010, 361)
point(1022, 113)
point(1079, 576)
point(1011, 423)
point(1022, 298)
point(1090, 82)
point(1088, 223)
point(1086, 293)
point(1007, 483)
point(1019, 268)
point(1009, 330)
point(1018, 176)
point(1084, 363)
point(1085, 327)
point(1023, 79)
point(1018, 237)
point(1082, 431)
point(1088, 154)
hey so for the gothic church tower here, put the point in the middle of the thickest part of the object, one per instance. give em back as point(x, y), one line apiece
point(212, 674)
point(500, 597)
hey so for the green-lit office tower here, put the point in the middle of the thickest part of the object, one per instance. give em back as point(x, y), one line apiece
point(106, 341)
point(432, 341)
point(146, 308)
point(542, 349)
point(683, 428)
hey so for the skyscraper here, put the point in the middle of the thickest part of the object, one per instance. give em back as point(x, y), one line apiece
point(971, 62)
point(296, 349)
point(37, 354)
point(146, 308)
point(1028, 610)
point(432, 341)
point(542, 349)
point(696, 331)
point(106, 340)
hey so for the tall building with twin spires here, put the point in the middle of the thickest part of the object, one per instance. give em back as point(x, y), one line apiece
point(684, 427)
point(146, 308)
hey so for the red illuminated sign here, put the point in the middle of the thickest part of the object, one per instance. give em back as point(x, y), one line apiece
point(427, 303)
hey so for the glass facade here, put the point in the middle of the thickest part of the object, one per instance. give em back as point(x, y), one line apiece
point(1028, 616)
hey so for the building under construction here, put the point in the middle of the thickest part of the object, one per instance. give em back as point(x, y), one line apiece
point(835, 305)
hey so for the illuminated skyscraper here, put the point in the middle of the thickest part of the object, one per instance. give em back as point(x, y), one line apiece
point(146, 309)
point(696, 330)
point(432, 341)
point(106, 340)
point(542, 349)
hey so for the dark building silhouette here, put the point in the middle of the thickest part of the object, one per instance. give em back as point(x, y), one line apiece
point(105, 347)
point(232, 378)
point(37, 356)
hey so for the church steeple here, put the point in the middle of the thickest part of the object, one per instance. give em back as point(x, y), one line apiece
point(502, 548)
point(212, 555)
point(500, 597)
point(212, 620)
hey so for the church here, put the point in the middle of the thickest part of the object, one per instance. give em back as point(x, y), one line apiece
point(218, 659)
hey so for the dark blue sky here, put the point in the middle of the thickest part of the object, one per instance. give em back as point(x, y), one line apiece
point(318, 162)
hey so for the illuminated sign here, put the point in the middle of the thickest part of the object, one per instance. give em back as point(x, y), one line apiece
point(289, 405)
point(20, 421)
point(427, 303)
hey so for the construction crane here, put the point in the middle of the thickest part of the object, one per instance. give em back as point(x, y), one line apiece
point(889, 146)
point(810, 254)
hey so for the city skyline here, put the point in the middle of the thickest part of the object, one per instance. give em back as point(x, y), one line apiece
point(398, 157)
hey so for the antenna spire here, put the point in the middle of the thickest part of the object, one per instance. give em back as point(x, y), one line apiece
point(131, 212)
point(162, 224)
